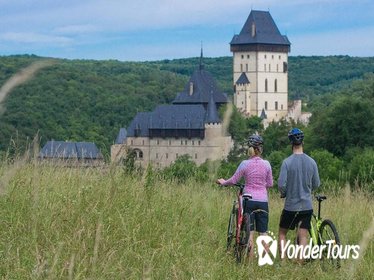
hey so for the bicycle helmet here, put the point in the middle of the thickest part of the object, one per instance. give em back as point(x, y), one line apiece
point(255, 141)
point(296, 136)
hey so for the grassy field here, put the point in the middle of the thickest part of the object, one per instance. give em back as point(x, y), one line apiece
point(65, 223)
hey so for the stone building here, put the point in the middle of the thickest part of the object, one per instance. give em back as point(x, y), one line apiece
point(191, 125)
point(260, 70)
point(71, 153)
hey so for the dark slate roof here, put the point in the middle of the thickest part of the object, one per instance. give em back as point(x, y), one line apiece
point(211, 112)
point(140, 123)
point(178, 117)
point(121, 137)
point(186, 116)
point(69, 150)
point(263, 115)
point(203, 84)
point(243, 79)
point(266, 31)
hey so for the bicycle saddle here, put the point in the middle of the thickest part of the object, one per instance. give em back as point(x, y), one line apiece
point(320, 197)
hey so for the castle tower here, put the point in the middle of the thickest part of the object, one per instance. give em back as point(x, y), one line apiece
point(260, 67)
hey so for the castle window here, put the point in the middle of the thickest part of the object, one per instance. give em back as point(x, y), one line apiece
point(281, 106)
point(246, 67)
point(276, 105)
point(279, 57)
point(199, 142)
point(158, 142)
point(275, 85)
point(265, 56)
point(195, 156)
point(193, 143)
point(138, 154)
point(156, 155)
point(241, 67)
point(185, 142)
point(272, 56)
point(167, 155)
point(176, 155)
point(285, 67)
point(266, 105)
point(181, 142)
point(169, 142)
point(248, 56)
point(143, 142)
point(242, 56)
point(266, 85)
point(132, 142)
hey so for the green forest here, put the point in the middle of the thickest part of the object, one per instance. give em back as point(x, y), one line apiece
point(89, 100)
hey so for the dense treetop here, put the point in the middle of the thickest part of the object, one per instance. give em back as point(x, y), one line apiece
point(88, 100)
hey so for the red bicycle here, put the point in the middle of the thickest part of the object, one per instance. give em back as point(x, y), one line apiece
point(239, 226)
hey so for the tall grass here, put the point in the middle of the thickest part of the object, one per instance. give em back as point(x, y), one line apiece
point(80, 223)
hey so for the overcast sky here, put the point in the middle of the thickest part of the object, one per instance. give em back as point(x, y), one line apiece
point(141, 30)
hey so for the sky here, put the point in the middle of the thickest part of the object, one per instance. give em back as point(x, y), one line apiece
point(145, 30)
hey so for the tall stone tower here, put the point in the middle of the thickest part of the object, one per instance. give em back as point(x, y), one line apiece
point(260, 68)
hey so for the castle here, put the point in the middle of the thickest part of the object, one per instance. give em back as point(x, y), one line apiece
point(191, 125)
point(260, 71)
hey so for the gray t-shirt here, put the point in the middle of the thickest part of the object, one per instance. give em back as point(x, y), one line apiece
point(297, 179)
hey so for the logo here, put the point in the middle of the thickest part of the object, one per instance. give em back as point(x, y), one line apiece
point(266, 245)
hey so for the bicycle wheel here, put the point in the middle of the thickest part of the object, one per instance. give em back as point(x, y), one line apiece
point(231, 227)
point(243, 248)
point(328, 232)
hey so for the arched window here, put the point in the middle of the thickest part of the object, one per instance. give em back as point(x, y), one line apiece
point(138, 153)
point(275, 85)
point(266, 85)
point(266, 105)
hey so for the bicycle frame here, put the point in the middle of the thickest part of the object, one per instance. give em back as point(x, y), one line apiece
point(315, 229)
point(237, 233)
point(240, 212)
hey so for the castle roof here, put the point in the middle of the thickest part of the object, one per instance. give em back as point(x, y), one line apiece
point(184, 116)
point(211, 112)
point(139, 126)
point(121, 137)
point(178, 117)
point(70, 150)
point(199, 88)
point(260, 28)
point(263, 114)
point(243, 79)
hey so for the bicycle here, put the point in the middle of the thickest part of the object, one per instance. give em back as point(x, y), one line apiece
point(322, 231)
point(239, 224)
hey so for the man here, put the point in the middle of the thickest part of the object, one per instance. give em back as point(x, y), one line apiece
point(297, 179)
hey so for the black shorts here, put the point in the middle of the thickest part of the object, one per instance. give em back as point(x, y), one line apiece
point(291, 219)
point(260, 218)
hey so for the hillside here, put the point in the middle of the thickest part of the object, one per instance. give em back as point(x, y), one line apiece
point(87, 100)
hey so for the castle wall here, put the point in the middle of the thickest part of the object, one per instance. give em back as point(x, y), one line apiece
point(259, 67)
point(161, 152)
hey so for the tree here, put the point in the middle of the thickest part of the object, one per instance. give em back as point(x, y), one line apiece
point(348, 122)
point(362, 168)
point(329, 166)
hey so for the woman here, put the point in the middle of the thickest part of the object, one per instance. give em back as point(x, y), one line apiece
point(258, 177)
